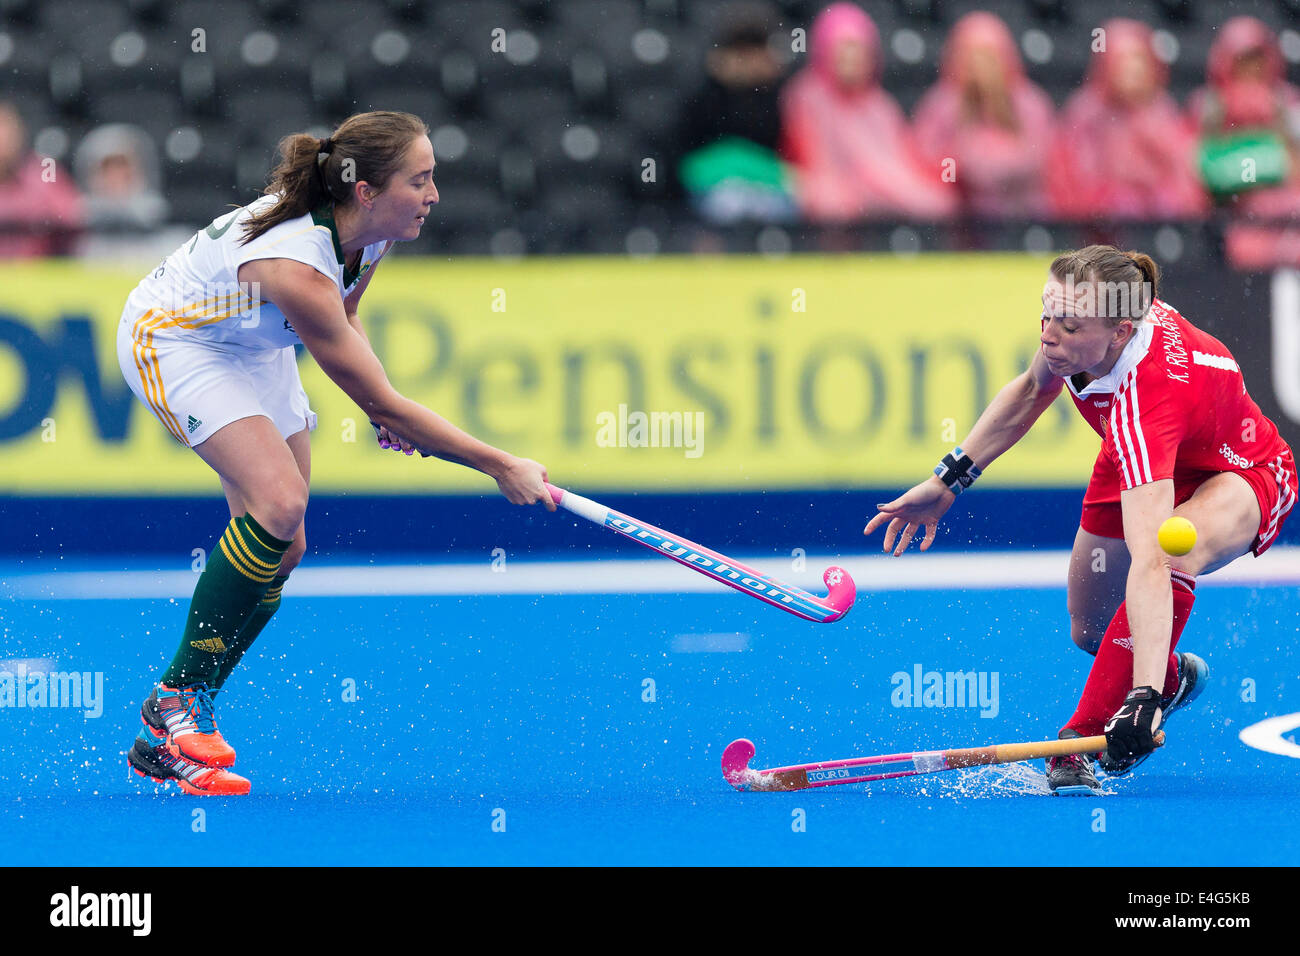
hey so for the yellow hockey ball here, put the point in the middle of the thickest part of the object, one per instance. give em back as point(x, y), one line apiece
point(1177, 536)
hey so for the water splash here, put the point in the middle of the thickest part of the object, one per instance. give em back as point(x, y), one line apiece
point(992, 782)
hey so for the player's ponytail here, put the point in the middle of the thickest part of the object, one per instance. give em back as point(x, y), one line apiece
point(367, 147)
point(1121, 284)
point(1150, 271)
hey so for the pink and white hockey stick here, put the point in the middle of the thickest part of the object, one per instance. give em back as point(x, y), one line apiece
point(718, 566)
point(736, 769)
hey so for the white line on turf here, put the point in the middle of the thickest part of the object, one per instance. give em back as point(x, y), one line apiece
point(1267, 735)
point(932, 572)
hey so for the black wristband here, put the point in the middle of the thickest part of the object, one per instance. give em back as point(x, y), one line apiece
point(1143, 694)
point(957, 471)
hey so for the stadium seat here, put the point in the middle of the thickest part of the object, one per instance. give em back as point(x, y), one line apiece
point(650, 112)
point(532, 60)
point(468, 207)
point(585, 18)
point(471, 24)
point(157, 111)
point(589, 80)
point(25, 13)
point(576, 204)
point(223, 29)
point(407, 11)
point(133, 58)
point(524, 108)
point(194, 154)
point(466, 151)
point(342, 21)
point(153, 13)
point(403, 55)
point(24, 66)
point(425, 103)
point(81, 28)
point(1098, 12)
point(264, 116)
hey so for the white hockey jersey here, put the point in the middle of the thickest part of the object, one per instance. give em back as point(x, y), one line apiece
point(195, 295)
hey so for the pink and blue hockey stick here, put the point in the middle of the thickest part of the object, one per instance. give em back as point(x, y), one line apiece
point(719, 567)
point(829, 773)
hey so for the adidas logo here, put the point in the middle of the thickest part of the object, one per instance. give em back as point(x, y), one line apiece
point(213, 645)
point(193, 424)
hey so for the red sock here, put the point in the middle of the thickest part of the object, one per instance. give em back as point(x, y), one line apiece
point(1111, 677)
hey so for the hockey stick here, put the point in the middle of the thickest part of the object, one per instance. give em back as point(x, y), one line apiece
point(736, 769)
point(718, 566)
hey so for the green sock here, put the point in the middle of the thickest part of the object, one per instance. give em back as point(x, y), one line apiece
point(237, 574)
point(269, 604)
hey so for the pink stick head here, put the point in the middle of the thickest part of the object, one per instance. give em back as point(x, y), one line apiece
point(556, 493)
point(735, 762)
point(843, 592)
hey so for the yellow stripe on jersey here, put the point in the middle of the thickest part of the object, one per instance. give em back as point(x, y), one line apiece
point(177, 319)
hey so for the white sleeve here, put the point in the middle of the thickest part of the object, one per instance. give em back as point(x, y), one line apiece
point(310, 244)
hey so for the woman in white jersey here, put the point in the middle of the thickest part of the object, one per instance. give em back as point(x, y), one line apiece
point(206, 342)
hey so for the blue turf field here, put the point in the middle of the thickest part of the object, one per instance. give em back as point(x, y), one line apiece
point(534, 705)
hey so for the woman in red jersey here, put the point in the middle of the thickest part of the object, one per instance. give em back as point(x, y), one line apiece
point(1180, 436)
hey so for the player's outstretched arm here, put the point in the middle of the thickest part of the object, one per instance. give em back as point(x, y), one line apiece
point(351, 304)
point(1147, 594)
point(1013, 411)
point(1130, 732)
point(311, 303)
point(1008, 418)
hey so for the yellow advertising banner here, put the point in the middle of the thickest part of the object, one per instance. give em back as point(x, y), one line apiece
point(665, 374)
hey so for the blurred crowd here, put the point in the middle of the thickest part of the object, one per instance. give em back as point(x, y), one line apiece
point(108, 207)
point(826, 143)
point(829, 144)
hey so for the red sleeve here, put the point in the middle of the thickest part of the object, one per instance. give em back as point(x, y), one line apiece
point(1145, 430)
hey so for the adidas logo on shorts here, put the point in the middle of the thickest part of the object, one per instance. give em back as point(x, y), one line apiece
point(193, 424)
point(213, 645)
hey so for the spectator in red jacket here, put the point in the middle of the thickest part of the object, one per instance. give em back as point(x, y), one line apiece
point(988, 122)
point(847, 138)
point(1124, 149)
point(40, 208)
point(1247, 93)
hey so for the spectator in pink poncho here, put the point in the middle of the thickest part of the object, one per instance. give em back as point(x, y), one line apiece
point(847, 138)
point(1248, 91)
point(40, 209)
point(1124, 149)
point(988, 122)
